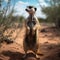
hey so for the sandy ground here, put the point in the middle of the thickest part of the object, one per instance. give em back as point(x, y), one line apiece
point(49, 39)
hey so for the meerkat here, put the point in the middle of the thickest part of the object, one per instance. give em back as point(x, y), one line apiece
point(32, 29)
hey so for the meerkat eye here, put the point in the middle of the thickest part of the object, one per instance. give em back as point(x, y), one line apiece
point(35, 9)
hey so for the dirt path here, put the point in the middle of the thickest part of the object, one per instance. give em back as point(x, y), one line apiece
point(49, 44)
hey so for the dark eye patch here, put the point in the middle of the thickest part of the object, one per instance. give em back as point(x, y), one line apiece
point(30, 7)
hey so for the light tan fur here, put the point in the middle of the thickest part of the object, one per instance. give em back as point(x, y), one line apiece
point(36, 27)
point(35, 30)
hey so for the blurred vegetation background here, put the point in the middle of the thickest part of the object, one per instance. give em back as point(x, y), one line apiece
point(7, 20)
point(52, 12)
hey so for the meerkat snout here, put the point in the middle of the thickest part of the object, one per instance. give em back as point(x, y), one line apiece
point(31, 9)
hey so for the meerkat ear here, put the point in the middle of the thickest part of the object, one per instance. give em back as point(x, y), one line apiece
point(35, 9)
point(25, 9)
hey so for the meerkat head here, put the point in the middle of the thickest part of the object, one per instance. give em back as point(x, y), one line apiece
point(31, 9)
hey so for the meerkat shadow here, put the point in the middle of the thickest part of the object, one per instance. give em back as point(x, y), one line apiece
point(30, 56)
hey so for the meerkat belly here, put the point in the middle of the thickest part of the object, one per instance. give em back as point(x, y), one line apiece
point(31, 40)
point(31, 24)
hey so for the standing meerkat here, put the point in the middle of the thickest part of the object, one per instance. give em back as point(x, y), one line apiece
point(32, 25)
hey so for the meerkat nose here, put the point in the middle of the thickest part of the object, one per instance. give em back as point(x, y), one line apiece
point(33, 9)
